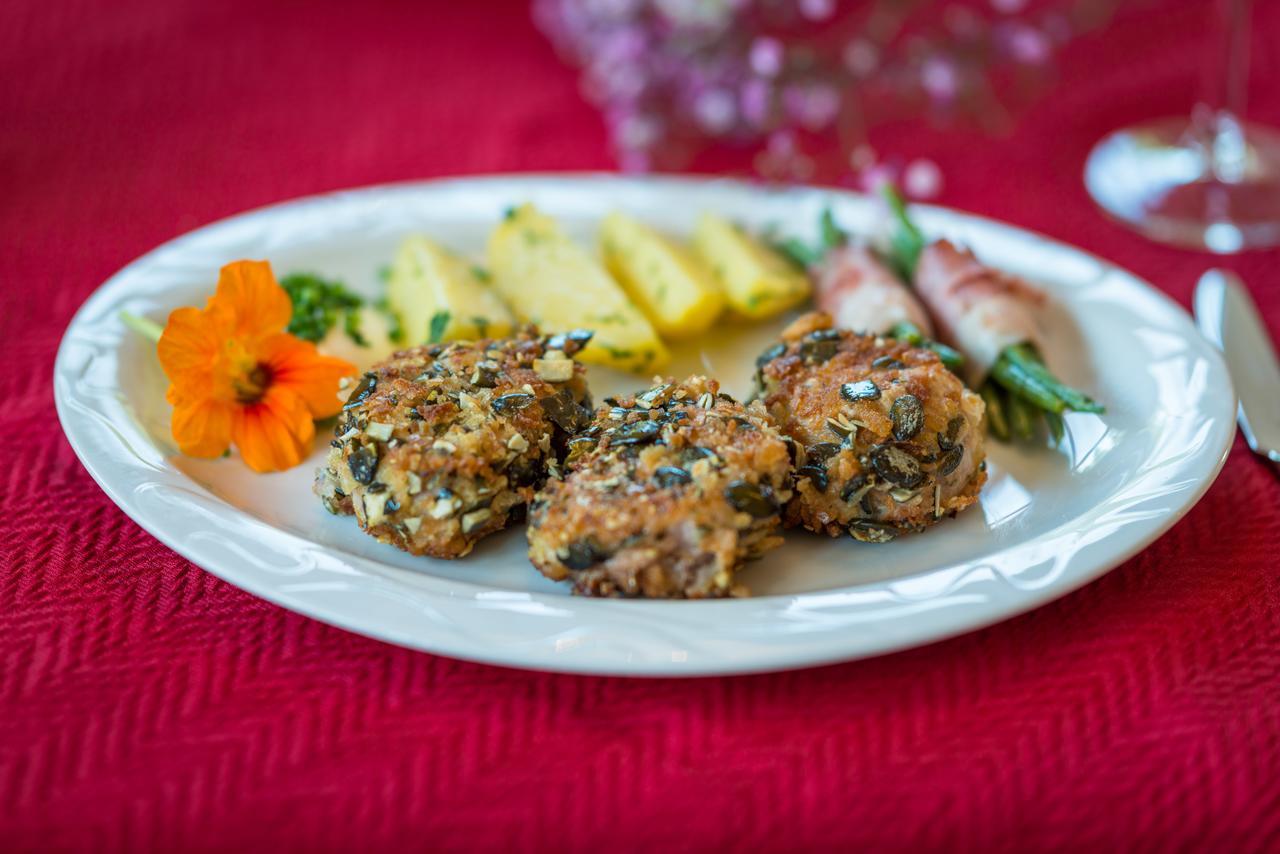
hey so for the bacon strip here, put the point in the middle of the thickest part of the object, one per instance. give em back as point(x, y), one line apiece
point(862, 294)
point(980, 311)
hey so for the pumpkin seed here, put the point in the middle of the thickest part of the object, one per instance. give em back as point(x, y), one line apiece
point(817, 352)
point(907, 415)
point(843, 427)
point(752, 499)
point(669, 476)
point(582, 554)
point(824, 335)
point(635, 433)
point(562, 409)
point(857, 486)
point(888, 362)
point(896, 466)
point(695, 452)
point(363, 462)
point(579, 447)
point(770, 353)
point(652, 397)
point(361, 393)
point(484, 376)
point(514, 402)
point(569, 342)
point(820, 453)
point(874, 503)
point(953, 429)
point(817, 476)
point(951, 460)
point(861, 390)
point(870, 532)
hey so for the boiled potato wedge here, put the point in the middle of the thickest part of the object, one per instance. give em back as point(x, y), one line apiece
point(438, 296)
point(549, 280)
point(669, 283)
point(757, 282)
point(375, 329)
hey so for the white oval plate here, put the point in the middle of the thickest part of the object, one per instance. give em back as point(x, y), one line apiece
point(1049, 520)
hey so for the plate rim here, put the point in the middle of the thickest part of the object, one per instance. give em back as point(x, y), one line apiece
point(1026, 601)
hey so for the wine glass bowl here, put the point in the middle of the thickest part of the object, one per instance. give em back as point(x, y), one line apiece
point(1211, 182)
point(1177, 184)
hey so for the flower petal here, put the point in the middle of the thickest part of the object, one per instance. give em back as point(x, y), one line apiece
point(297, 365)
point(249, 290)
point(275, 433)
point(190, 344)
point(202, 427)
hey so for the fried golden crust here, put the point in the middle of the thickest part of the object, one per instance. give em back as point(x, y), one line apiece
point(889, 440)
point(441, 445)
point(669, 491)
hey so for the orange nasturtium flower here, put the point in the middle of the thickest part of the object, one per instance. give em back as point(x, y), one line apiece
point(236, 376)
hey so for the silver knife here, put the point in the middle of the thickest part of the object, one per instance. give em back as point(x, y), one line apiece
point(1228, 317)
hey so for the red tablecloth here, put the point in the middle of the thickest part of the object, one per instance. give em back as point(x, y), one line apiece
point(147, 705)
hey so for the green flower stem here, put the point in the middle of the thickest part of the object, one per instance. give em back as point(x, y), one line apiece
point(148, 329)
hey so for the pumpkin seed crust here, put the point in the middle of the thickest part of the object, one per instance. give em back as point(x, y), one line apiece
point(908, 448)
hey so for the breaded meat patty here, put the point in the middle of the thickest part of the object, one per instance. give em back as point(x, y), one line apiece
point(668, 492)
point(889, 440)
point(443, 444)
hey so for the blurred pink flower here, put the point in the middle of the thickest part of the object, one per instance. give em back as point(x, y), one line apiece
point(783, 75)
point(922, 179)
point(939, 78)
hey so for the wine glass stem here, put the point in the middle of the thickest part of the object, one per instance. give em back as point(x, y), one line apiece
point(1216, 121)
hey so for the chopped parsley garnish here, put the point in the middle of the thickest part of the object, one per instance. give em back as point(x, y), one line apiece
point(439, 322)
point(318, 304)
point(395, 329)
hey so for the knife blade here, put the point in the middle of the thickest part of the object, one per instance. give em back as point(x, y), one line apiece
point(1228, 317)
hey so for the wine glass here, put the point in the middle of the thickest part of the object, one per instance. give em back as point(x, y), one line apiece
point(1211, 182)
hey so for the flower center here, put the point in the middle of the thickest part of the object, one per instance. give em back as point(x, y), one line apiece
point(251, 385)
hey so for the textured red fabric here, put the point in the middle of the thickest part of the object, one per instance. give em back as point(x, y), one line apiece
point(147, 705)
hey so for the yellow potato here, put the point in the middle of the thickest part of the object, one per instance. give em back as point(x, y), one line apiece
point(757, 282)
point(374, 328)
point(671, 286)
point(438, 296)
point(549, 280)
